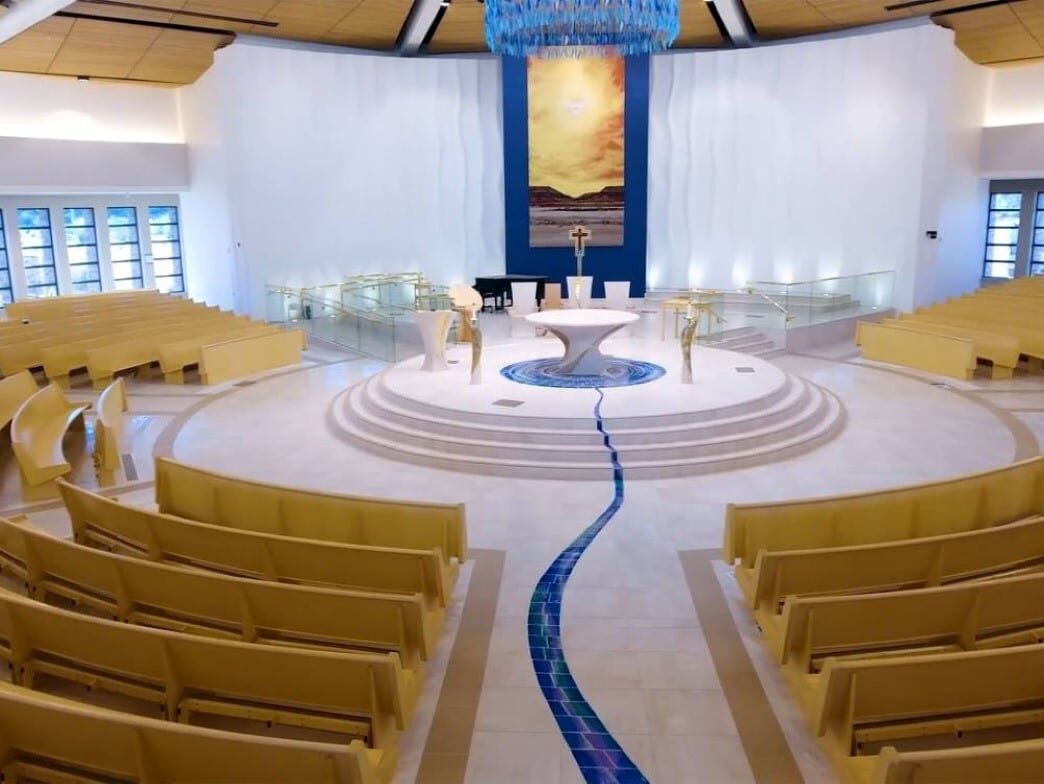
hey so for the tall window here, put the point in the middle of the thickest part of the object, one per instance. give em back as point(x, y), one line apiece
point(6, 292)
point(81, 245)
point(1002, 235)
point(124, 248)
point(1037, 254)
point(166, 248)
point(34, 235)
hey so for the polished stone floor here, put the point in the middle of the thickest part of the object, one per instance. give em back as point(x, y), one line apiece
point(652, 627)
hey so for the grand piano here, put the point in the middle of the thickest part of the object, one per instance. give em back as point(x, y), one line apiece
point(498, 288)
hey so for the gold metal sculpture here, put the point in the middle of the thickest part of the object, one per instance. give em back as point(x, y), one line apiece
point(467, 302)
point(700, 301)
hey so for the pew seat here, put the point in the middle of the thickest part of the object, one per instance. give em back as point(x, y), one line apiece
point(1015, 762)
point(210, 497)
point(105, 522)
point(49, 739)
point(14, 391)
point(216, 605)
point(108, 430)
point(37, 431)
point(356, 695)
point(883, 701)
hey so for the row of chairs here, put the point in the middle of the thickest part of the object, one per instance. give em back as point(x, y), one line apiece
point(908, 618)
point(221, 620)
point(1001, 325)
point(106, 334)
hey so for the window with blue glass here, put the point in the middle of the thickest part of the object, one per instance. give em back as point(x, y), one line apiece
point(81, 248)
point(37, 243)
point(6, 290)
point(1037, 254)
point(165, 235)
point(125, 248)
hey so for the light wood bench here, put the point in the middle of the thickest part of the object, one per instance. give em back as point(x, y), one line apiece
point(352, 694)
point(226, 360)
point(100, 521)
point(997, 613)
point(964, 503)
point(103, 362)
point(1030, 337)
point(935, 353)
point(218, 499)
point(911, 563)
point(1015, 762)
point(14, 391)
point(175, 356)
point(882, 700)
point(37, 431)
point(1001, 350)
point(108, 430)
point(51, 739)
point(52, 306)
point(216, 605)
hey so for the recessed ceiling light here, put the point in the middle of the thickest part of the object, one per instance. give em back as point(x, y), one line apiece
point(83, 78)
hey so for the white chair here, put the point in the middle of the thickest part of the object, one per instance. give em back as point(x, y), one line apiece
point(584, 298)
point(523, 302)
point(618, 297)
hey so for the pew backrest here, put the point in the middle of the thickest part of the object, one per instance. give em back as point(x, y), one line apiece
point(108, 428)
point(14, 391)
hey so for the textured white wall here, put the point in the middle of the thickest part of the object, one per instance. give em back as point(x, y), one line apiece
point(335, 164)
point(800, 161)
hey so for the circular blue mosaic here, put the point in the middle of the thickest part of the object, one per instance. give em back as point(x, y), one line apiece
point(545, 373)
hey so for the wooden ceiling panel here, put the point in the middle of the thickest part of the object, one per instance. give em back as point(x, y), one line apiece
point(462, 28)
point(35, 48)
point(177, 57)
point(371, 24)
point(697, 26)
point(994, 35)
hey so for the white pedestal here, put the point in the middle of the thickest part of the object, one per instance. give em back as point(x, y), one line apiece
point(584, 298)
point(581, 331)
point(434, 328)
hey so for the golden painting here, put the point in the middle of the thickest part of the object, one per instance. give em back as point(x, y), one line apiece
point(576, 149)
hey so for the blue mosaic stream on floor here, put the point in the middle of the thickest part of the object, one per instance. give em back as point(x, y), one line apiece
point(600, 757)
point(618, 373)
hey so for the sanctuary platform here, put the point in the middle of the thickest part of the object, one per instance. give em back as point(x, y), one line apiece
point(740, 411)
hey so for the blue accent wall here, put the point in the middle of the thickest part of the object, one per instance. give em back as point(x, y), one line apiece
point(626, 262)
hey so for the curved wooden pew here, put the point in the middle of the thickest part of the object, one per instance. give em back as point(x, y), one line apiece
point(37, 430)
point(214, 498)
point(108, 430)
point(14, 391)
point(1015, 762)
point(222, 361)
point(1002, 351)
point(151, 594)
point(880, 701)
point(913, 563)
point(964, 503)
point(51, 739)
point(359, 695)
point(159, 537)
point(932, 352)
point(175, 356)
point(993, 614)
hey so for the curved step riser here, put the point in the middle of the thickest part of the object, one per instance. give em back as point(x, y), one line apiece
point(633, 471)
point(461, 418)
point(370, 425)
point(365, 400)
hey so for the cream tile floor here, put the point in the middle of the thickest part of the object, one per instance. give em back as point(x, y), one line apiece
point(631, 632)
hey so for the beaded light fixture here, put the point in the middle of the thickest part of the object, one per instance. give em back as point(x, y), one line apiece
point(580, 28)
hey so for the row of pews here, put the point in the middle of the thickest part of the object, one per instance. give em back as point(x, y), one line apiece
point(107, 333)
point(908, 622)
point(266, 609)
point(1000, 325)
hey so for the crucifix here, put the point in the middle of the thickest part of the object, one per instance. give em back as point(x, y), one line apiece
point(579, 235)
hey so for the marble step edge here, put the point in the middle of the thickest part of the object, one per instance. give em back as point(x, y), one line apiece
point(826, 430)
point(369, 425)
point(580, 430)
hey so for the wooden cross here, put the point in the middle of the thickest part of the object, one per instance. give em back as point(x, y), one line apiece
point(580, 236)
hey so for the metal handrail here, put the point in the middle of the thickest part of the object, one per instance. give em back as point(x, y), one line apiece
point(815, 280)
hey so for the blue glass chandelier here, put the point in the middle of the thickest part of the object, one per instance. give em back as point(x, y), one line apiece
point(580, 28)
